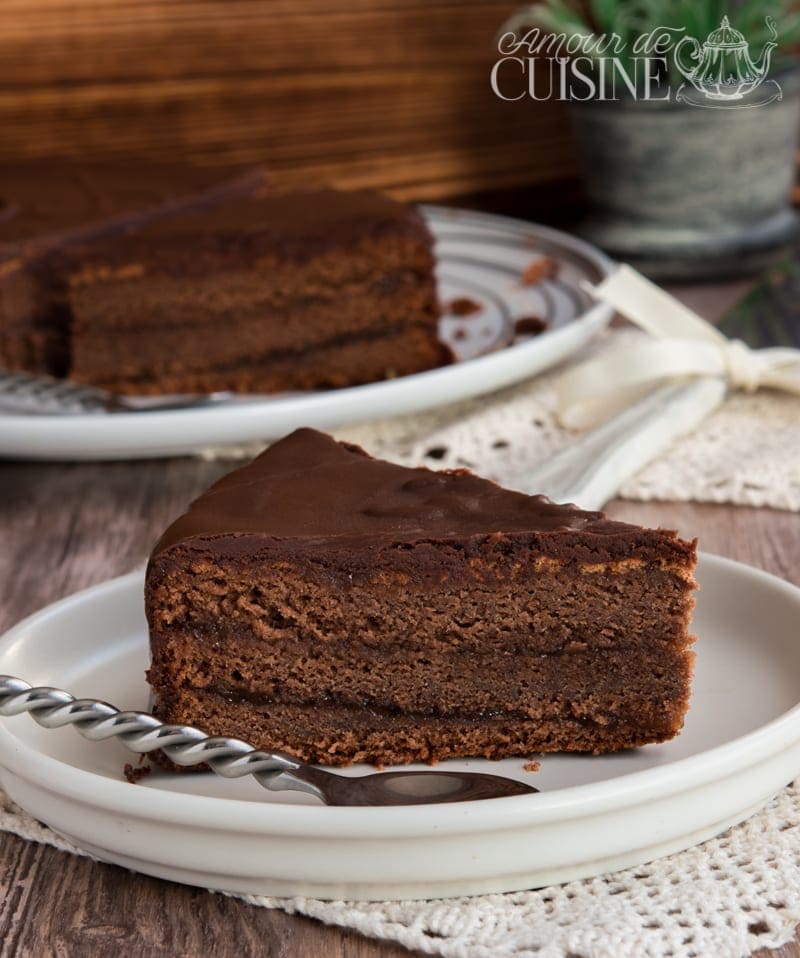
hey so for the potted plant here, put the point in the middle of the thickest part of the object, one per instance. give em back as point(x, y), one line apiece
point(689, 158)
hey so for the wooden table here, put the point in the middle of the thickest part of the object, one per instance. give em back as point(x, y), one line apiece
point(65, 527)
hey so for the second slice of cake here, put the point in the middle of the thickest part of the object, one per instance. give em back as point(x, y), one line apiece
point(345, 609)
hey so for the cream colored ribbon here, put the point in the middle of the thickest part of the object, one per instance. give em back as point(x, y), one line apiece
point(684, 346)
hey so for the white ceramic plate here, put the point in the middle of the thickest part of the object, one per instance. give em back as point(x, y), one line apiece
point(740, 745)
point(479, 256)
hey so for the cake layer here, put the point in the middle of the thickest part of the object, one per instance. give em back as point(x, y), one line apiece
point(166, 305)
point(340, 735)
point(513, 643)
point(337, 364)
point(528, 684)
point(249, 349)
point(177, 326)
point(283, 272)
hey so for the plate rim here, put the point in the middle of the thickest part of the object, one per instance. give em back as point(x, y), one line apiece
point(241, 815)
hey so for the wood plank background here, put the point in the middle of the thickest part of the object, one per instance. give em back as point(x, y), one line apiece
point(391, 94)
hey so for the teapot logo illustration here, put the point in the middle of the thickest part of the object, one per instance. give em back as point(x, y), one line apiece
point(722, 73)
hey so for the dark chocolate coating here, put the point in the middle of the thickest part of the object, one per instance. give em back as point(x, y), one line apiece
point(78, 236)
point(310, 489)
point(292, 226)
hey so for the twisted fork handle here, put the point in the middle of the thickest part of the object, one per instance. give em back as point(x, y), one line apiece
point(141, 732)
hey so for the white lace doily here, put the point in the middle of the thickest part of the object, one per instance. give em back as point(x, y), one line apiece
point(748, 452)
point(725, 898)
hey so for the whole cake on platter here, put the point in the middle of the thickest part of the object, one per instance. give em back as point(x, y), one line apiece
point(240, 290)
point(345, 609)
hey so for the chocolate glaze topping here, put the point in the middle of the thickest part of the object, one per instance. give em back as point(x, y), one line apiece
point(301, 214)
point(309, 487)
point(291, 226)
point(76, 211)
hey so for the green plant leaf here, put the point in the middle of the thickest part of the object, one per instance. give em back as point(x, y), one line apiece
point(789, 30)
point(605, 13)
point(556, 17)
point(749, 14)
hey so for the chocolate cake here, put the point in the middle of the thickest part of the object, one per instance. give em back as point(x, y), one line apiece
point(255, 293)
point(346, 609)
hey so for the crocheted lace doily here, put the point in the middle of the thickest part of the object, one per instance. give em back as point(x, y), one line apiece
point(745, 453)
point(726, 898)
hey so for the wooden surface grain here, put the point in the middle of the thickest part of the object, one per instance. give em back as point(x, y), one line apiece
point(389, 94)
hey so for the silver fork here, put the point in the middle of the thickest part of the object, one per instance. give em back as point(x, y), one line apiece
point(32, 395)
point(184, 745)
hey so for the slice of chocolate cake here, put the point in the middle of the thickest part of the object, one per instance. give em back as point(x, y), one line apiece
point(345, 609)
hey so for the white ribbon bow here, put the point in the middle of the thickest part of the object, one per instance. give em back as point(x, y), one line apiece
point(685, 346)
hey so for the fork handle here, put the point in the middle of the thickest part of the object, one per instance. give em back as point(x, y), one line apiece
point(141, 732)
